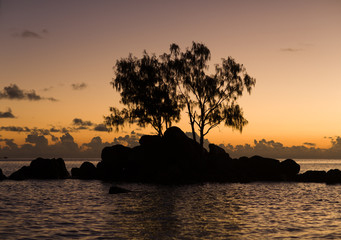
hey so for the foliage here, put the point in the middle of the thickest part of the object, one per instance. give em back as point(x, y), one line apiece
point(155, 90)
point(145, 92)
point(210, 99)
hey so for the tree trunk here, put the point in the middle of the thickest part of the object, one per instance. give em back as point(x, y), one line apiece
point(202, 125)
point(202, 137)
point(191, 120)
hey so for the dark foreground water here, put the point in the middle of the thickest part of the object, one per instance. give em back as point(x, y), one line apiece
point(79, 209)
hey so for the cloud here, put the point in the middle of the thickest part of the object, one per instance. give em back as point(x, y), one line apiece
point(37, 146)
point(39, 140)
point(291, 49)
point(131, 140)
point(80, 122)
point(27, 34)
point(30, 34)
point(15, 129)
point(100, 128)
point(309, 144)
point(13, 92)
point(47, 89)
point(275, 149)
point(10, 144)
point(7, 114)
point(78, 86)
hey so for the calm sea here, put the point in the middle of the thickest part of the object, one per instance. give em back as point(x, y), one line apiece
point(83, 209)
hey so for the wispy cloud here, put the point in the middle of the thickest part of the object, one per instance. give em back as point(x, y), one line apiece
point(15, 129)
point(309, 144)
point(7, 114)
point(81, 124)
point(13, 92)
point(30, 34)
point(293, 50)
point(78, 86)
point(27, 34)
point(100, 128)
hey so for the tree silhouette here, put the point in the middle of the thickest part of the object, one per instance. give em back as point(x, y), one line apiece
point(210, 99)
point(145, 92)
point(155, 90)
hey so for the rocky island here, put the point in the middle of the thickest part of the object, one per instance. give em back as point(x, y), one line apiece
point(174, 159)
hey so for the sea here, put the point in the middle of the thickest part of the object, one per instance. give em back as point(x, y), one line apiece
point(83, 209)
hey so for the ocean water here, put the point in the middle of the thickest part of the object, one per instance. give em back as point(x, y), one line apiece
point(83, 209)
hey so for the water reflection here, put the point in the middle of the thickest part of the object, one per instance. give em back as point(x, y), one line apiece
point(56, 209)
point(178, 211)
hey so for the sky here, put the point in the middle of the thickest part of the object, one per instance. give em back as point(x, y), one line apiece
point(56, 60)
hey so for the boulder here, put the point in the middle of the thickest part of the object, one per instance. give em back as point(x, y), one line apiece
point(171, 158)
point(217, 153)
point(333, 176)
point(312, 176)
point(289, 168)
point(42, 169)
point(182, 158)
point(150, 140)
point(115, 162)
point(86, 171)
point(2, 176)
point(258, 168)
point(116, 153)
point(218, 165)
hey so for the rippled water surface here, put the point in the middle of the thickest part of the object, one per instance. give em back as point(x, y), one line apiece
point(79, 209)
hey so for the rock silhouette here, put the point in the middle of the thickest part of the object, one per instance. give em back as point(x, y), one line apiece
point(312, 176)
point(333, 176)
point(86, 171)
point(2, 176)
point(42, 169)
point(176, 158)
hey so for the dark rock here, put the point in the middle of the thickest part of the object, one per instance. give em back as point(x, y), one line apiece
point(218, 165)
point(116, 190)
point(258, 168)
point(176, 158)
point(217, 153)
point(289, 168)
point(86, 171)
point(333, 176)
point(312, 176)
point(42, 169)
point(115, 153)
point(182, 158)
point(115, 161)
point(150, 140)
point(173, 157)
point(2, 176)
point(22, 174)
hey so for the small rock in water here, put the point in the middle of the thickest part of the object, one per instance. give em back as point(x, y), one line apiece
point(115, 190)
point(2, 176)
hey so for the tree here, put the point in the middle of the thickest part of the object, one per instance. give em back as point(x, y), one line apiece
point(210, 99)
point(145, 92)
point(155, 90)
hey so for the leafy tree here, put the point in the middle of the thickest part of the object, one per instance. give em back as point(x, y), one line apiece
point(145, 92)
point(155, 90)
point(210, 99)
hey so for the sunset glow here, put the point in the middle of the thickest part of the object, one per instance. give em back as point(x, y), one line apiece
point(64, 51)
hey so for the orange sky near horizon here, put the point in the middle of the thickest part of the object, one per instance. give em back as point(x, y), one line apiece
point(292, 48)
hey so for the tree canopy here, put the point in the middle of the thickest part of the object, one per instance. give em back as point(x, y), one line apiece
point(210, 99)
point(144, 90)
point(155, 90)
